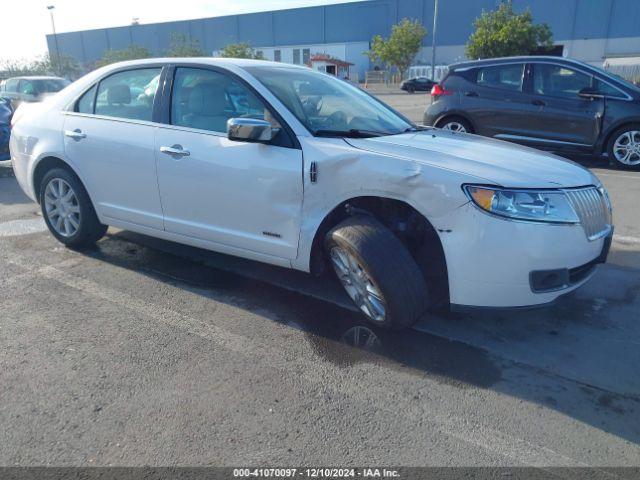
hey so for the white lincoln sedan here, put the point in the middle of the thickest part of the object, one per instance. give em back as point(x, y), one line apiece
point(292, 167)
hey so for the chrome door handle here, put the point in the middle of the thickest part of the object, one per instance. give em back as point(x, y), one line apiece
point(75, 134)
point(175, 151)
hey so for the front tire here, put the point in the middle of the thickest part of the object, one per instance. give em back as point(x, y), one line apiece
point(624, 147)
point(377, 272)
point(68, 211)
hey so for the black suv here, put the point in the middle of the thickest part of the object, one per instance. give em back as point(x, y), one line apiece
point(549, 103)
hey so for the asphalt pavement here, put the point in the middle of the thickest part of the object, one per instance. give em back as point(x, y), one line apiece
point(145, 352)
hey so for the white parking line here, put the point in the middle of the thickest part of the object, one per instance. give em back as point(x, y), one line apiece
point(626, 240)
point(14, 228)
point(618, 175)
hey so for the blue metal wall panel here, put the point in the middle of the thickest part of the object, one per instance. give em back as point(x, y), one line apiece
point(559, 14)
point(591, 19)
point(219, 31)
point(625, 19)
point(119, 38)
point(95, 43)
point(358, 21)
point(256, 28)
point(290, 26)
point(144, 36)
point(69, 44)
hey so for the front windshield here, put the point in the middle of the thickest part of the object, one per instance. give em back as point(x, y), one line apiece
point(328, 106)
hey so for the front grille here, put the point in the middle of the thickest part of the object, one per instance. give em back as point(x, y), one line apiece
point(592, 210)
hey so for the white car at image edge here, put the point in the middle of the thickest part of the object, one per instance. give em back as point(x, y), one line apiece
point(295, 168)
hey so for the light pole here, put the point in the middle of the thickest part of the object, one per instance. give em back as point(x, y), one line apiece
point(55, 38)
point(433, 41)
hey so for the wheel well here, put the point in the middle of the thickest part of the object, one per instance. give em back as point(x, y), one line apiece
point(455, 115)
point(605, 144)
point(404, 221)
point(41, 170)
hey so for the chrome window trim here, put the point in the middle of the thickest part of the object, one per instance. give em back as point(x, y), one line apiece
point(113, 119)
point(180, 128)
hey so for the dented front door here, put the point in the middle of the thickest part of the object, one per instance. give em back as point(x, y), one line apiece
point(242, 195)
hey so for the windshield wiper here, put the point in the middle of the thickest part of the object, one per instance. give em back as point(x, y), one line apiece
point(352, 133)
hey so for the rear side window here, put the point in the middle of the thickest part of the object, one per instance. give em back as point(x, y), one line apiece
point(559, 81)
point(507, 77)
point(128, 94)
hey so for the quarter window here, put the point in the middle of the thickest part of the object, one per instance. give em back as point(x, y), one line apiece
point(128, 94)
point(508, 77)
point(87, 101)
point(606, 89)
point(205, 99)
point(559, 81)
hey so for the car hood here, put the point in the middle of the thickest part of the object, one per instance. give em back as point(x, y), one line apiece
point(494, 161)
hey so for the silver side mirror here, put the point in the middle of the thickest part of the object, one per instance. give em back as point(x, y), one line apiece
point(249, 130)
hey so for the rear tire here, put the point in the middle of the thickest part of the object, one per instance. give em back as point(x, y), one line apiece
point(68, 211)
point(377, 272)
point(455, 124)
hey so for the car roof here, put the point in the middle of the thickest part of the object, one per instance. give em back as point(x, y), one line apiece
point(214, 61)
point(523, 58)
point(34, 77)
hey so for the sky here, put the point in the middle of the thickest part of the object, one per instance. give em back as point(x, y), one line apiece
point(22, 32)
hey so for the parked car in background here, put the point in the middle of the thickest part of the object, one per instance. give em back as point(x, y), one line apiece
point(417, 84)
point(223, 155)
point(31, 89)
point(549, 103)
point(6, 112)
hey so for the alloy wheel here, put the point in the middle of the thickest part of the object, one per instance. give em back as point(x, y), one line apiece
point(358, 285)
point(62, 207)
point(626, 148)
point(454, 127)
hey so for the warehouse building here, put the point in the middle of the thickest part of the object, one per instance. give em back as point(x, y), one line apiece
point(595, 31)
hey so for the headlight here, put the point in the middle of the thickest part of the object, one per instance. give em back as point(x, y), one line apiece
point(529, 205)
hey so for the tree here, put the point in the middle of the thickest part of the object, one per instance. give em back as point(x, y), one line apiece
point(240, 50)
point(504, 33)
point(64, 66)
point(182, 46)
point(401, 47)
point(132, 52)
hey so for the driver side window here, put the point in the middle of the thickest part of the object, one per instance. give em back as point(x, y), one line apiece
point(206, 99)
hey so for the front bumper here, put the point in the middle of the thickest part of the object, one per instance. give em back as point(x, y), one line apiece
point(492, 262)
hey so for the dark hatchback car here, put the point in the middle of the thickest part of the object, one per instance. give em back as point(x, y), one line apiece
point(417, 84)
point(550, 103)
